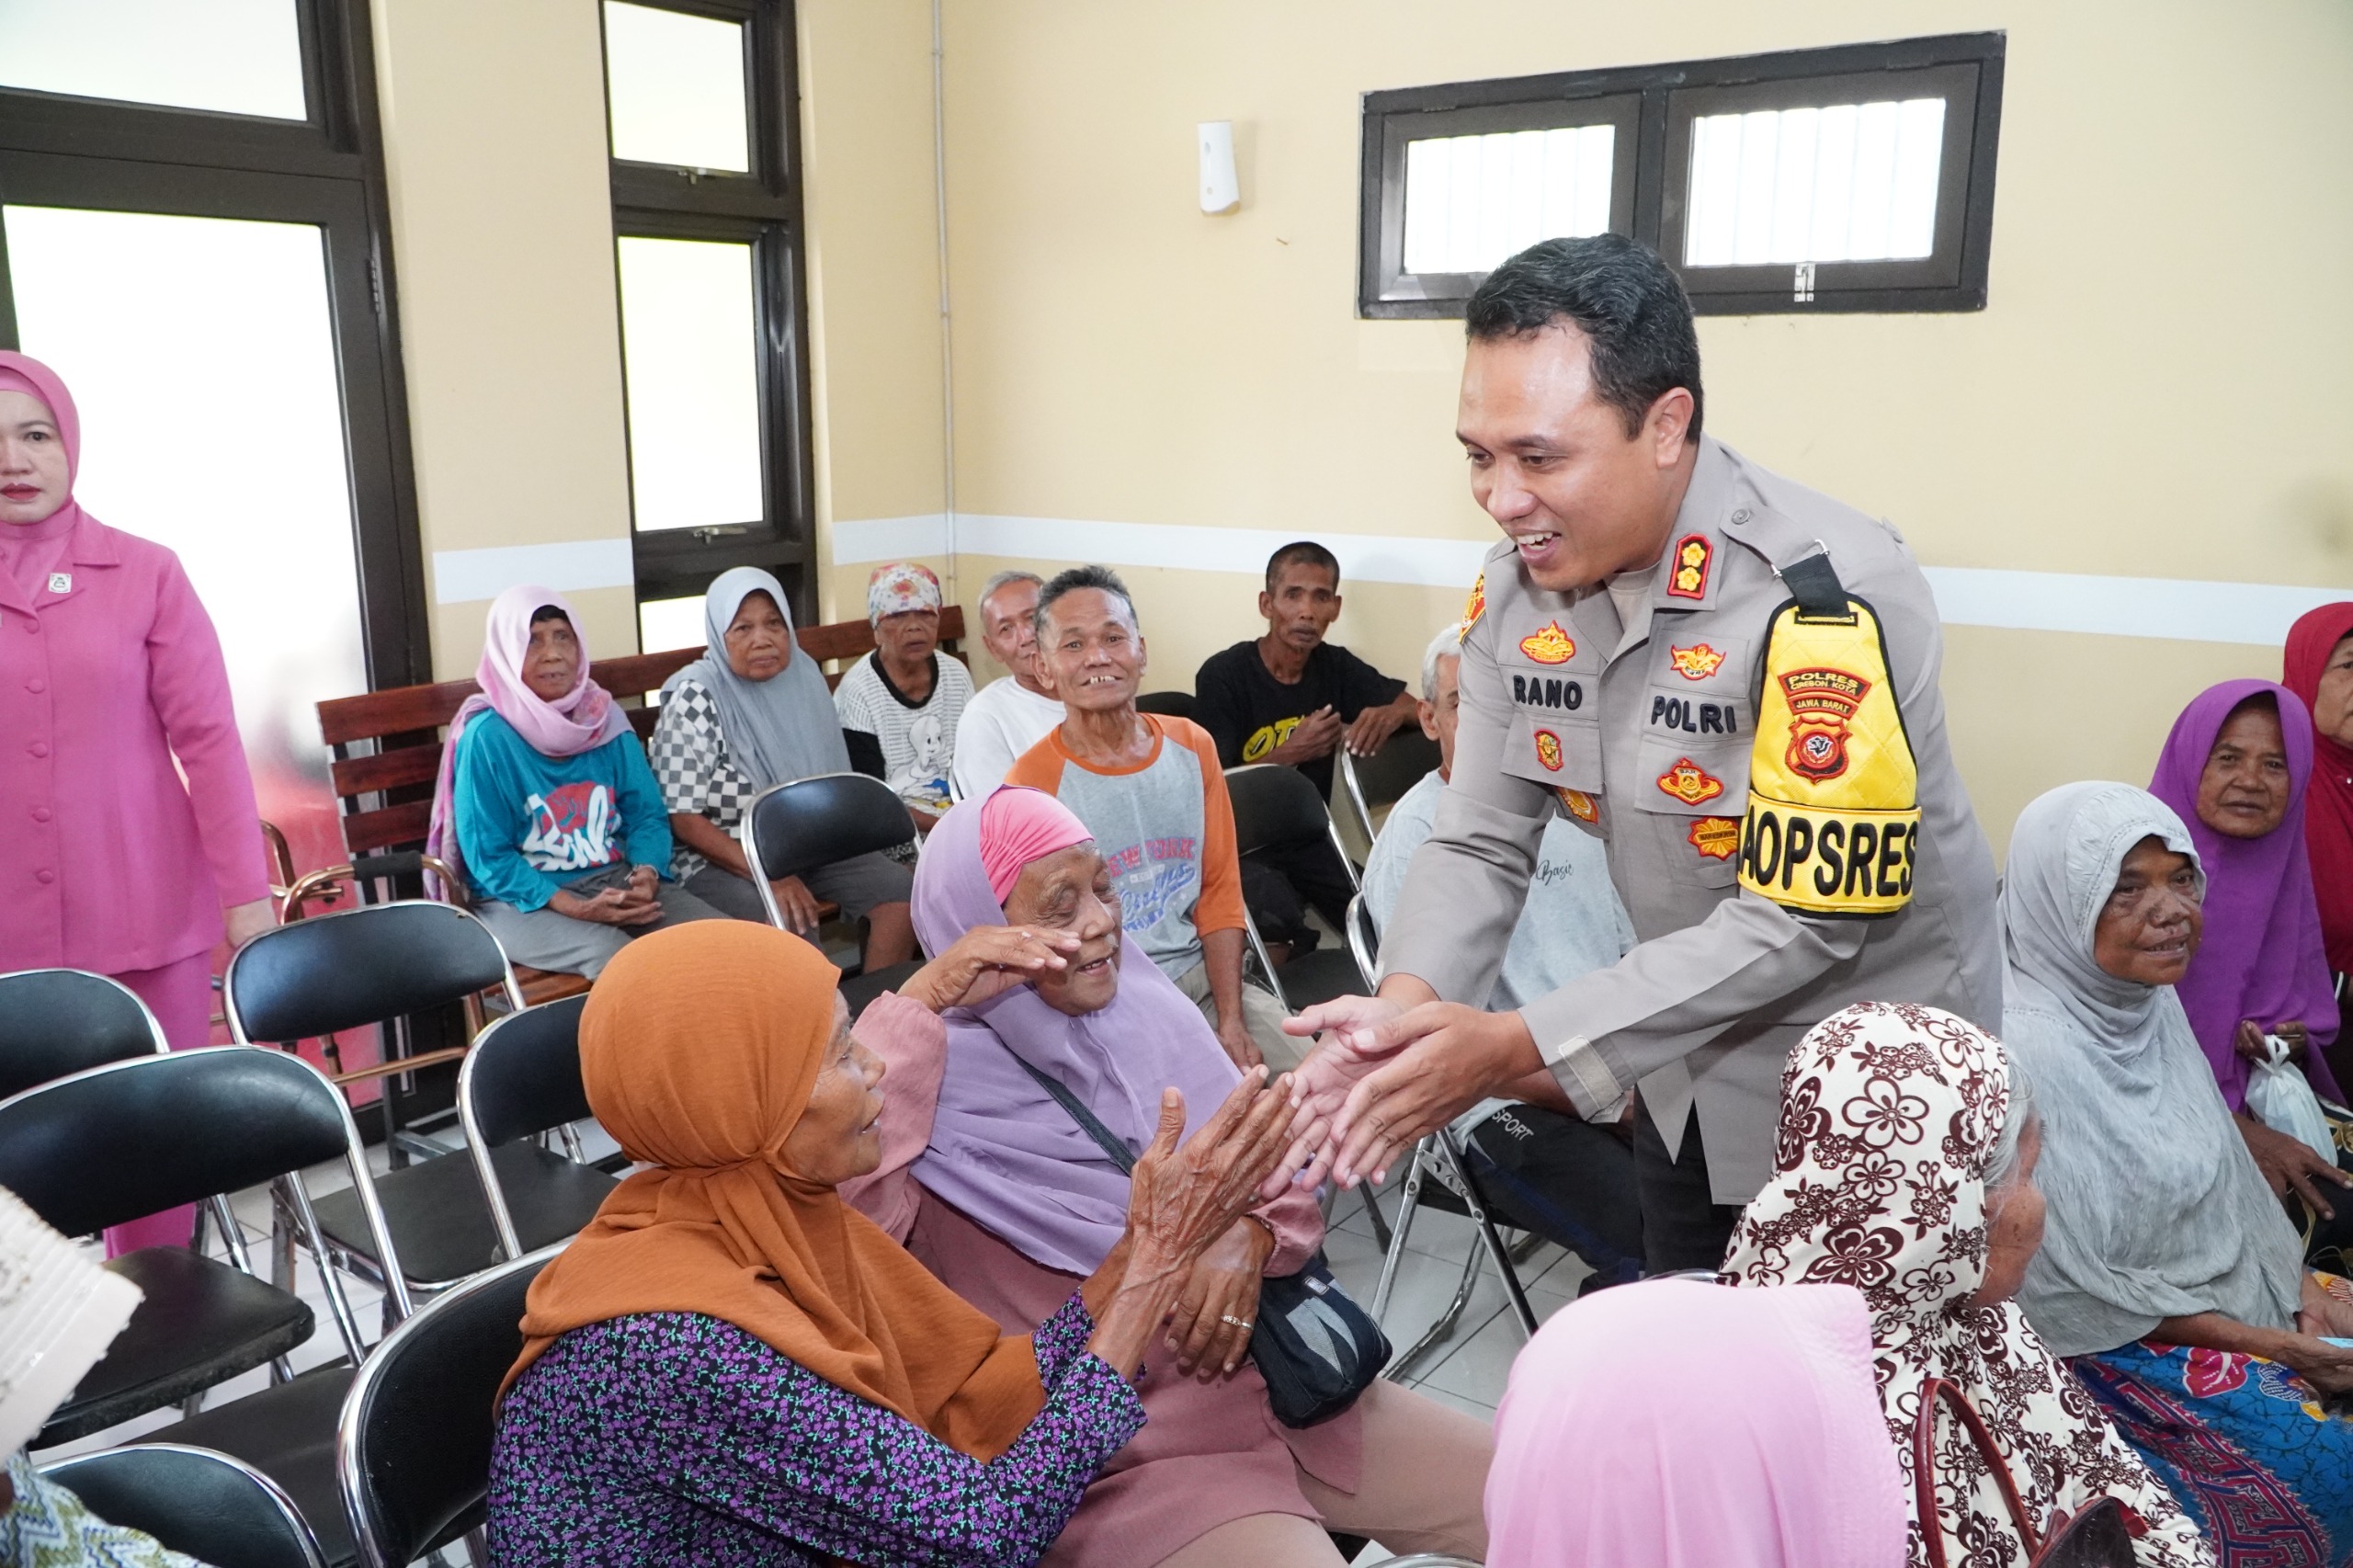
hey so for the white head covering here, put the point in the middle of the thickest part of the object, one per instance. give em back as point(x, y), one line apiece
point(783, 728)
point(2156, 1208)
point(58, 1312)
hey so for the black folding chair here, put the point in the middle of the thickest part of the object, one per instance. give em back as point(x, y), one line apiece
point(56, 1021)
point(1275, 806)
point(114, 1142)
point(796, 827)
point(413, 1443)
point(1440, 1178)
point(522, 1079)
point(215, 1508)
point(1368, 783)
point(372, 965)
point(1174, 704)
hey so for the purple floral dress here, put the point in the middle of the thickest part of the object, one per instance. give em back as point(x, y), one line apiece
point(675, 1438)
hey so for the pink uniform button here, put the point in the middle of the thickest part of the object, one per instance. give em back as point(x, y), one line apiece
point(41, 813)
point(37, 687)
point(39, 748)
point(44, 877)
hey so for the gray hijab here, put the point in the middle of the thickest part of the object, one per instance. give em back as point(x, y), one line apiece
point(2155, 1208)
point(779, 729)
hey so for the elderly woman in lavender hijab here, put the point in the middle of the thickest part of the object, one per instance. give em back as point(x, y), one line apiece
point(998, 1190)
point(2236, 769)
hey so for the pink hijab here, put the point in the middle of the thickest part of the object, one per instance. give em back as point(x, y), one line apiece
point(30, 551)
point(1681, 1424)
point(581, 720)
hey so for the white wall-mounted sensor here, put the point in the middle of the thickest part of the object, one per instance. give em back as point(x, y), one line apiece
point(1221, 189)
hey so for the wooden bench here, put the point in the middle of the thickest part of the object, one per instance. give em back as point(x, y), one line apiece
point(387, 755)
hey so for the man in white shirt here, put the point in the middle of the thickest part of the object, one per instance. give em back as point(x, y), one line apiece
point(1568, 1180)
point(1013, 713)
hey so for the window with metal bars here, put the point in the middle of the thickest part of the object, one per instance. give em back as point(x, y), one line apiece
point(1853, 178)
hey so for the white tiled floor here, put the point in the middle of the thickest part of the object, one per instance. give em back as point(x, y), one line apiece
point(1467, 1370)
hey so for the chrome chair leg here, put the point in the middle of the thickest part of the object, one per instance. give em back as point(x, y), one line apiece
point(1452, 1154)
point(1397, 1246)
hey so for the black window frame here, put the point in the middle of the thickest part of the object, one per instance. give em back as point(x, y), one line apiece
point(1965, 68)
point(761, 207)
point(326, 170)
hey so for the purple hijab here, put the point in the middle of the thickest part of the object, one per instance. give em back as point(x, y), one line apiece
point(2261, 957)
point(1002, 1150)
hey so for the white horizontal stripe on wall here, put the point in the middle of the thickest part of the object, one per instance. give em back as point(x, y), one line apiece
point(2172, 608)
point(2180, 610)
point(462, 576)
point(891, 539)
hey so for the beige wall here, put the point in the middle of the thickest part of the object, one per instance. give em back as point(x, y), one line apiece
point(873, 257)
point(2159, 387)
point(503, 252)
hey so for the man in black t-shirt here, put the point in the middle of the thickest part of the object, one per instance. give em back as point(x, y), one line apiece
point(1291, 698)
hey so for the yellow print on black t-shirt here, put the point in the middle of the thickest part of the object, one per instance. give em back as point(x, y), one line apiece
point(1267, 737)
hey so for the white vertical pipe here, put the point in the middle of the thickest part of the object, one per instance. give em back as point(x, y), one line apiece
point(946, 334)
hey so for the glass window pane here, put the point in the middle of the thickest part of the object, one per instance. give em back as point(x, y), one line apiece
point(235, 459)
point(1472, 201)
point(231, 56)
point(664, 624)
point(675, 85)
point(1844, 182)
point(689, 344)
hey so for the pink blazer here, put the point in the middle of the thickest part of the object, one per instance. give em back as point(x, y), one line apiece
point(108, 860)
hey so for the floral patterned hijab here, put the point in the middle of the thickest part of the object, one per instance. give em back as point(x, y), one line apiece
point(1889, 1116)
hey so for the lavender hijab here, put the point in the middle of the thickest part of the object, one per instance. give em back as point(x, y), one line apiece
point(2261, 957)
point(1001, 1150)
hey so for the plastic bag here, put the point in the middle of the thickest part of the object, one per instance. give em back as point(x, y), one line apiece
point(2284, 1102)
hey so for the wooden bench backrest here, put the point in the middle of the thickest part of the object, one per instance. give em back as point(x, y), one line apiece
point(388, 743)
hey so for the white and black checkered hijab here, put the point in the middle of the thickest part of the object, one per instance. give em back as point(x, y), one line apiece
point(779, 729)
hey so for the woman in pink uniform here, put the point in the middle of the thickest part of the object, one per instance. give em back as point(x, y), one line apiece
point(109, 669)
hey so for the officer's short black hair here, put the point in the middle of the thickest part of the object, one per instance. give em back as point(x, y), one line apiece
point(1627, 301)
point(1301, 552)
point(1100, 578)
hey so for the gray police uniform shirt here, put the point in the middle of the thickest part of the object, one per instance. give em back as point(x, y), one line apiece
point(1641, 735)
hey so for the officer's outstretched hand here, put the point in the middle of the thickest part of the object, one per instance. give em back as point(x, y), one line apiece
point(1407, 1071)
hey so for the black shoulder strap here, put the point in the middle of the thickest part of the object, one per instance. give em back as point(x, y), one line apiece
point(1118, 1152)
point(1813, 583)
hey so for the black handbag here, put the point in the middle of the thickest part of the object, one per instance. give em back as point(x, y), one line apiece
point(1316, 1348)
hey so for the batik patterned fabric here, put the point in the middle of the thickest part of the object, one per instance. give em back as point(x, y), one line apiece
point(1889, 1116)
point(677, 1439)
point(2246, 1445)
point(47, 1527)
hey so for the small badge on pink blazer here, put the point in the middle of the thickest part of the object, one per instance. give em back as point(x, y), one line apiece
point(61, 581)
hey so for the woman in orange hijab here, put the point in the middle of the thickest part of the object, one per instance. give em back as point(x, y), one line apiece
point(732, 1366)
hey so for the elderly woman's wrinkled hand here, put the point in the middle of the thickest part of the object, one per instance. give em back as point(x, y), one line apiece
point(2288, 1163)
point(1181, 1199)
point(987, 962)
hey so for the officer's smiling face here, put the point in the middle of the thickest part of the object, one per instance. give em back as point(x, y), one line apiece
point(1582, 497)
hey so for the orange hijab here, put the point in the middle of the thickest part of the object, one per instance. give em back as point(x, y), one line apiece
point(699, 1048)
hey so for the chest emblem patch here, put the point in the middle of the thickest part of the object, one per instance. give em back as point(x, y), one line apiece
point(1697, 662)
point(1688, 577)
point(1690, 783)
point(1718, 838)
point(1549, 646)
point(1822, 702)
point(1548, 750)
point(1578, 804)
point(1474, 606)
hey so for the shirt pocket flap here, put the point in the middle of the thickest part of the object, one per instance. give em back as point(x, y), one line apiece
point(1562, 752)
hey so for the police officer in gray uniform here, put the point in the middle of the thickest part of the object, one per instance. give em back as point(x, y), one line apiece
point(1729, 678)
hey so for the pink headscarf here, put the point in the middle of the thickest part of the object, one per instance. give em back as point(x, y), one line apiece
point(1681, 1424)
point(30, 551)
point(1018, 825)
point(581, 720)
